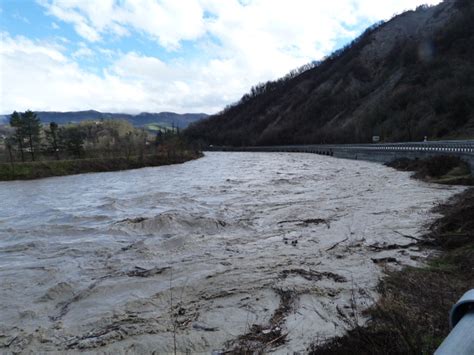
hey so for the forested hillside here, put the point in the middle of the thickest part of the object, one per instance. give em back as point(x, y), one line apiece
point(404, 79)
point(139, 120)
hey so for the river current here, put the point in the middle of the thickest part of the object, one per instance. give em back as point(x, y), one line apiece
point(201, 253)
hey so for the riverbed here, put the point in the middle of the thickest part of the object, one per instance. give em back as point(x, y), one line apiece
point(205, 255)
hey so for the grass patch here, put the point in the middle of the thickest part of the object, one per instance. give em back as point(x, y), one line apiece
point(444, 169)
point(42, 169)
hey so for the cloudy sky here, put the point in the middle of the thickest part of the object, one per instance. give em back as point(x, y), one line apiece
point(166, 55)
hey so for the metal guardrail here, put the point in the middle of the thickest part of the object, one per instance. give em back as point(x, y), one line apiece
point(466, 146)
point(461, 339)
point(458, 146)
point(439, 146)
point(379, 152)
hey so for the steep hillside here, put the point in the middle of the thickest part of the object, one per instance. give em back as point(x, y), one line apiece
point(410, 77)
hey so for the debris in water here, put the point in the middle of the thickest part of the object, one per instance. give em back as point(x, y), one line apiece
point(384, 260)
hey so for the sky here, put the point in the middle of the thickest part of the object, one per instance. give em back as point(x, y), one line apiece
point(166, 55)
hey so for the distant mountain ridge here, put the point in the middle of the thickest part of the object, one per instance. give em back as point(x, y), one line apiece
point(139, 120)
point(409, 77)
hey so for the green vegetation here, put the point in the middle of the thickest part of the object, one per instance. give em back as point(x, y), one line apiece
point(27, 132)
point(41, 169)
point(33, 151)
point(448, 170)
point(155, 127)
point(422, 85)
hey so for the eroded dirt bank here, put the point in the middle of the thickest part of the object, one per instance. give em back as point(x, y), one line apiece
point(262, 250)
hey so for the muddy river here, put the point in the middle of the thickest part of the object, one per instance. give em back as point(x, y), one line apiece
point(275, 250)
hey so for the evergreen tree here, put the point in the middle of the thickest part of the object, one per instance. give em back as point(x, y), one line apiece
point(73, 138)
point(31, 125)
point(10, 142)
point(17, 123)
point(53, 139)
point(158, 137)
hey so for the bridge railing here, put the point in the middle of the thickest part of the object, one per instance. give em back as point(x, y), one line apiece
point(383, 152)
point(452, 146)
point(440, 146)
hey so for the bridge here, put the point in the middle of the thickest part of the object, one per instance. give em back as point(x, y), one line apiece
point(382, 153)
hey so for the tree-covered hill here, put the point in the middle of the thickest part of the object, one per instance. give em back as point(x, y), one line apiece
point(139, 120)
point(404, 79)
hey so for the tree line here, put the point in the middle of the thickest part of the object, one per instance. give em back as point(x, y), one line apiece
point(33, 141)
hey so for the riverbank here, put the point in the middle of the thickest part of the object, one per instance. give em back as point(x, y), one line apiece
point(411, 315)
point(443, 169)
point(43, 169)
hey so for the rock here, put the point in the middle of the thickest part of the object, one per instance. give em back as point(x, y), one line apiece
point(384, 260)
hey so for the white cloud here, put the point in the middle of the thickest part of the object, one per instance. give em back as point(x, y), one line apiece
point(64, 10)
point(171, 22)
point(83, 52)
point(377, 10)
point(44, 78)
point(167, 21)
point(240, 43)
point(11, 47)
point(54, 26)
